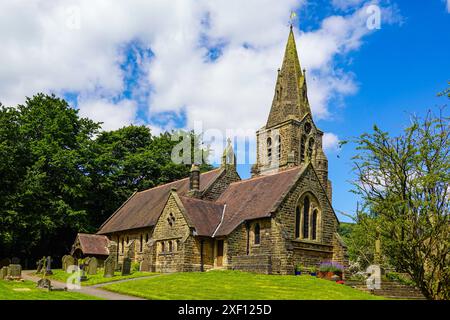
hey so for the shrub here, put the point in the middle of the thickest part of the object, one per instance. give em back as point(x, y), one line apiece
point(135, 266)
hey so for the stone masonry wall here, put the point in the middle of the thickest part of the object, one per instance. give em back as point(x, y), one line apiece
point(228, 176)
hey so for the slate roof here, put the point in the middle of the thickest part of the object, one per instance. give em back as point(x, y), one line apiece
point(254, 198)
point(143, 208)
point(93, 244)
point(204, 216)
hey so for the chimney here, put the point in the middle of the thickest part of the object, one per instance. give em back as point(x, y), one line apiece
point(194, 181)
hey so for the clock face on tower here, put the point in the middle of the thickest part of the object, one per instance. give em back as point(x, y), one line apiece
point(308, 127)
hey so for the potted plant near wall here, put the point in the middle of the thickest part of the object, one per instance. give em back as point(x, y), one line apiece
point(298, 269)
point(313, 271)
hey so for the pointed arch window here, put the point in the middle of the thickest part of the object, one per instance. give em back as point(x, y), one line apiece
point(257, 234)
point(297, 222)
point(269, 149)
point(141, 244)
point(314, 225)
point(123, 244)
point(306, 205)
point(170, 246)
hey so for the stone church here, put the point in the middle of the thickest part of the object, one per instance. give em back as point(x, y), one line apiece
point(280, 217)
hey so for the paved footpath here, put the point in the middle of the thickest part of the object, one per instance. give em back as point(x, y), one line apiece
point(89, 290)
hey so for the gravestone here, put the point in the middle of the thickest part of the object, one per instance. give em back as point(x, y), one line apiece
point(5, 262)
point(92, 266)
point(110, 265)
point(44, 283)
point(15, 271)
point(15, 260)
point(63, 262)
point(69, 261)
point(3, 272)
point(40, 264)
point(126, 266)
point(48, 269)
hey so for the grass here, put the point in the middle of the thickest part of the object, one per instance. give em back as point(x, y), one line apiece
point(26, 290)
point(235, 285)
point(61, 275)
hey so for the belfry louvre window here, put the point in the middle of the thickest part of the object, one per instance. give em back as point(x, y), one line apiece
point(279, 148)
point(310, 148)
point(306, 218)
point(269, 149)
point(302, 149)
point(257, 234)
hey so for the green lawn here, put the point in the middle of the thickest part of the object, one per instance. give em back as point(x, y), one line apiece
point(12, 290)
point(235, 285)
point(62, 276)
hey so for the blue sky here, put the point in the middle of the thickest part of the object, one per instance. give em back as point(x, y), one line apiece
point(168, 64)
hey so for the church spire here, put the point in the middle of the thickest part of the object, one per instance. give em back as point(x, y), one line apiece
point(290, 100)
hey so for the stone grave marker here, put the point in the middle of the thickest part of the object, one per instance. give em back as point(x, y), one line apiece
point(92, 266)
point(69, 261)
point(15, 271)
point(110, 265)
point(126, 266)
point(48, 269)
point(3, 273)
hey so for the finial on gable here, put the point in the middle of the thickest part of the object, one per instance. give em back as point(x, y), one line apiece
point(228, 157)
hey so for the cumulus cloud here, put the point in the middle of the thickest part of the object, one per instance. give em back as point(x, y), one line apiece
point(113, 115)
point(448, 6)
point(211, 61)
point(330, 142)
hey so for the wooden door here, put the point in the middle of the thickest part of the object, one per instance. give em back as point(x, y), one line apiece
point(219, 253)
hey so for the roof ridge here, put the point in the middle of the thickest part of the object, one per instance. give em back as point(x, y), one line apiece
point(179, 180)
point(200, 200)
point(266, 176)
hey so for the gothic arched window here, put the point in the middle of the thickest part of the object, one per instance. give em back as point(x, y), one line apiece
point(297, 222)
point(269, 149)
point(302, 148)
point(141, 245)
point(306, 205)
point(170, 246)
point(123, 244)
point(314, 225)
point(163, 247)
point(257, 234)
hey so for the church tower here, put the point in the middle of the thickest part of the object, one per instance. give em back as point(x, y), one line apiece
point(290, 137)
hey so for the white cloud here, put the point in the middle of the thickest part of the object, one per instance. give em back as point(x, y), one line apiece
point(113, 115)
point(330, 142)
point(41, 51)
point(346, 4)
point(448, 6)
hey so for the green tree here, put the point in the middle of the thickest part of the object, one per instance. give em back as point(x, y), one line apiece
point(405, 184)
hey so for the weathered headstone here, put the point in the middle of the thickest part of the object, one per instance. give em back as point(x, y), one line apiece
point(40, 264)
point(92, 266)
point(69, 261)
point(63, 262)
point(110, 265)
point(15, 260)
point(5, 262)
point(44, 283)
point(126, 266)
point(48, 269)
point(3, 272)
point(15, 271)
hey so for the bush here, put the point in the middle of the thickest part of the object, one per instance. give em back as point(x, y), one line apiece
point(135, 266)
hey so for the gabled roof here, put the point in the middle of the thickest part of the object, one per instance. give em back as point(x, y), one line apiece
point(92, 244)
point(143, 208)
point(254, 198)
point(205, 216)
